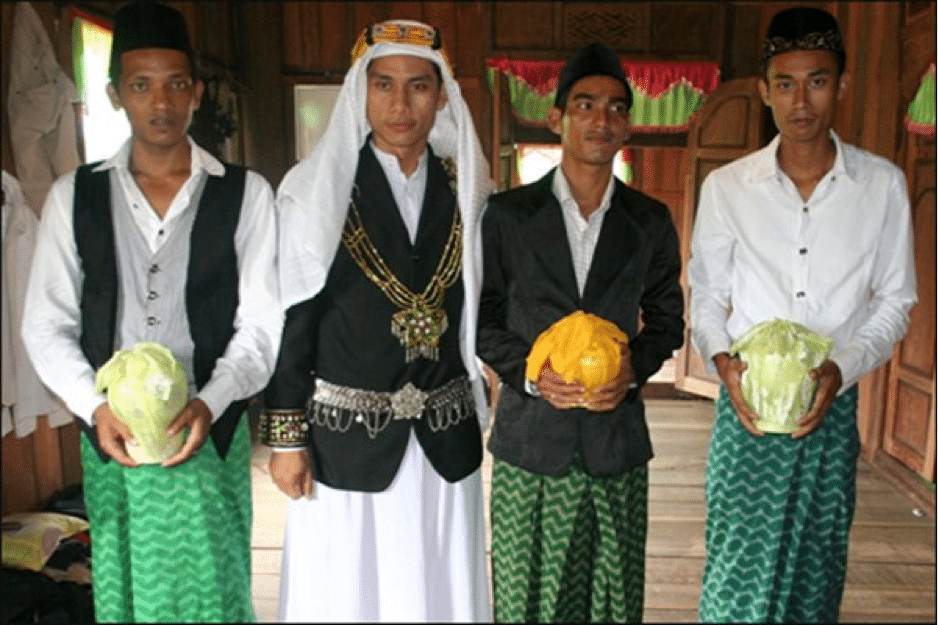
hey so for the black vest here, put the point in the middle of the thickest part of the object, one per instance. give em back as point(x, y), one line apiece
point(344, 334)
point(211, 280)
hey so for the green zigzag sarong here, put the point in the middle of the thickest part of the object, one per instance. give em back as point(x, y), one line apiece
point(778, 519)
point(568, 548)
point(172, 545)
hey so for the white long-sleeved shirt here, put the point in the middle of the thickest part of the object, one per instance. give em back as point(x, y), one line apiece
point(52, 322)
point(840, 263)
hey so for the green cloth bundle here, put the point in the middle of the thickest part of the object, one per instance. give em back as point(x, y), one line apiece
point(146, 388)
point(776, 385)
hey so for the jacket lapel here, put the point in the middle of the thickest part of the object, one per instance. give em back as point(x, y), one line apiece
point(616, 250)
point(546, 235)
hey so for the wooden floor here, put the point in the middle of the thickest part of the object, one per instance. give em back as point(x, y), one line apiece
point(891, 569)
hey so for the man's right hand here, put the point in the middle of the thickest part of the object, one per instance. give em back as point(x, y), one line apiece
point(558, 393)
point(292, 473)
point(113, 435)
point(730, 371)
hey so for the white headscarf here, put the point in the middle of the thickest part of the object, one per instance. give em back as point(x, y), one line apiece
point(313, 199)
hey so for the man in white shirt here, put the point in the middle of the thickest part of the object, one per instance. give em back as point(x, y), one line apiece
point(376, 405)
point(160, 243)
point(815, 231)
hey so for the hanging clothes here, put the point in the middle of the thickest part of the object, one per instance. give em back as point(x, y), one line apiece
point(42, 120)
point(23, 396)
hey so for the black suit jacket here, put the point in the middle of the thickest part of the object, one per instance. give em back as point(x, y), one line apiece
point(529, 283)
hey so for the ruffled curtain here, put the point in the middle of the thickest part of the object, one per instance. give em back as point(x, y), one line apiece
point(666, 93)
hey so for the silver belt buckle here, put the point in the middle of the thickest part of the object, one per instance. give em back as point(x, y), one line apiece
point(407, 403)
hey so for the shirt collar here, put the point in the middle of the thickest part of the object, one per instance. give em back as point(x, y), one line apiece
point(389, 162)
point(765, 161)
point(201, 159)
point(561, 190)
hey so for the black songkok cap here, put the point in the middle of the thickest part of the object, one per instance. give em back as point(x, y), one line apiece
point(803, 28)
point(594, 59)
point(139, 25)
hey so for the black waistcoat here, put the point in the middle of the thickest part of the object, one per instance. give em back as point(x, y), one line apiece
point(348, 335)
point(211, 281)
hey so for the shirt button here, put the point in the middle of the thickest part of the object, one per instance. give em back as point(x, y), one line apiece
point(800, 294)
point(804, 209)
point(154, 269)
point(160, 232)
point(152, 295)
point(152, 321)
point(803, 251)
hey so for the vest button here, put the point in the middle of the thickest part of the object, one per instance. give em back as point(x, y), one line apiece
point(152, 295)
point(154, 268)
point(152, 321)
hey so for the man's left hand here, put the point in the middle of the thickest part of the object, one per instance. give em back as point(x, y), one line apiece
point(829, 380)
point(198, 418)
point(608, 396)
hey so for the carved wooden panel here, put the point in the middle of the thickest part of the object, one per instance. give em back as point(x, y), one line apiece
point(687, 28)
point(907, 431)
point(724, 129)
point(728, 126)
point(621, 26)
point(524, 25)
point(918, 349)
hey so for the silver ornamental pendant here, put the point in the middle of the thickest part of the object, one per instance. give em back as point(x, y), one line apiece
point(419, 329)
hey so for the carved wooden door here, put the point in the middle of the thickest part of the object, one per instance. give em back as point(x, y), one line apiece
point(909, 429)
point(730, 124)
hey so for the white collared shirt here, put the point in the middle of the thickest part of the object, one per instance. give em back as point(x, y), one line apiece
point(582, 234)
point(52, 323)
point(840, 263)
point(408, 191)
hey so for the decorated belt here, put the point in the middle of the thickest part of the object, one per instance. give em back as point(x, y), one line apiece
point(337, 407)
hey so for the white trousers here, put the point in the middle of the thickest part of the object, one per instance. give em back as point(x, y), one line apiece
point(414, 552)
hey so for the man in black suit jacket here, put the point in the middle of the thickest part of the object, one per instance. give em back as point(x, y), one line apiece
point(569, 487)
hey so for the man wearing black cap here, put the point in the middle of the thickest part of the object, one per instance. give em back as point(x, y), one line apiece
point(816, 231)
point(569, 486)
point(160, 243)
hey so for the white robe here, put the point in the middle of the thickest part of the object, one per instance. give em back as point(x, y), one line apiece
point(414, 552)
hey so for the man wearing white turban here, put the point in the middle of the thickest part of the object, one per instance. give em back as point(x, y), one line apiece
point(377, 380)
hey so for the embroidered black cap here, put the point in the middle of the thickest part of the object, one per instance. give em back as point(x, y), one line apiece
point(594, 59)
point(803, 28)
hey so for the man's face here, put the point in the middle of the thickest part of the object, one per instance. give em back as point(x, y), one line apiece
point(595, 123)
point(404, 94)
point(157, 93)
point(802, 88)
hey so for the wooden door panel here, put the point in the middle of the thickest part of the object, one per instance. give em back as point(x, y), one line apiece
point(909, 428)
point(728, 126)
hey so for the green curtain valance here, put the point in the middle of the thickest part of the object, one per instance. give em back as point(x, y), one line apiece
point(920, 118)
point(666, 93)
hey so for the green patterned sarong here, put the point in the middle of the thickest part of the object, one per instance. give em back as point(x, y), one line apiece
point(568, 548)
point(172, 545)
point(778, 519)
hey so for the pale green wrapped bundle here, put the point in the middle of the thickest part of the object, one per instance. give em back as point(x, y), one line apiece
point(147, 388)
point(776, 385)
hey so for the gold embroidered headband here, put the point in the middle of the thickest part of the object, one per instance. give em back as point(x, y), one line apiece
point(828, 40)
point(411, 33)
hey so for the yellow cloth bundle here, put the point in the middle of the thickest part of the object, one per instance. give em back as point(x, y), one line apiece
point(581, 347)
